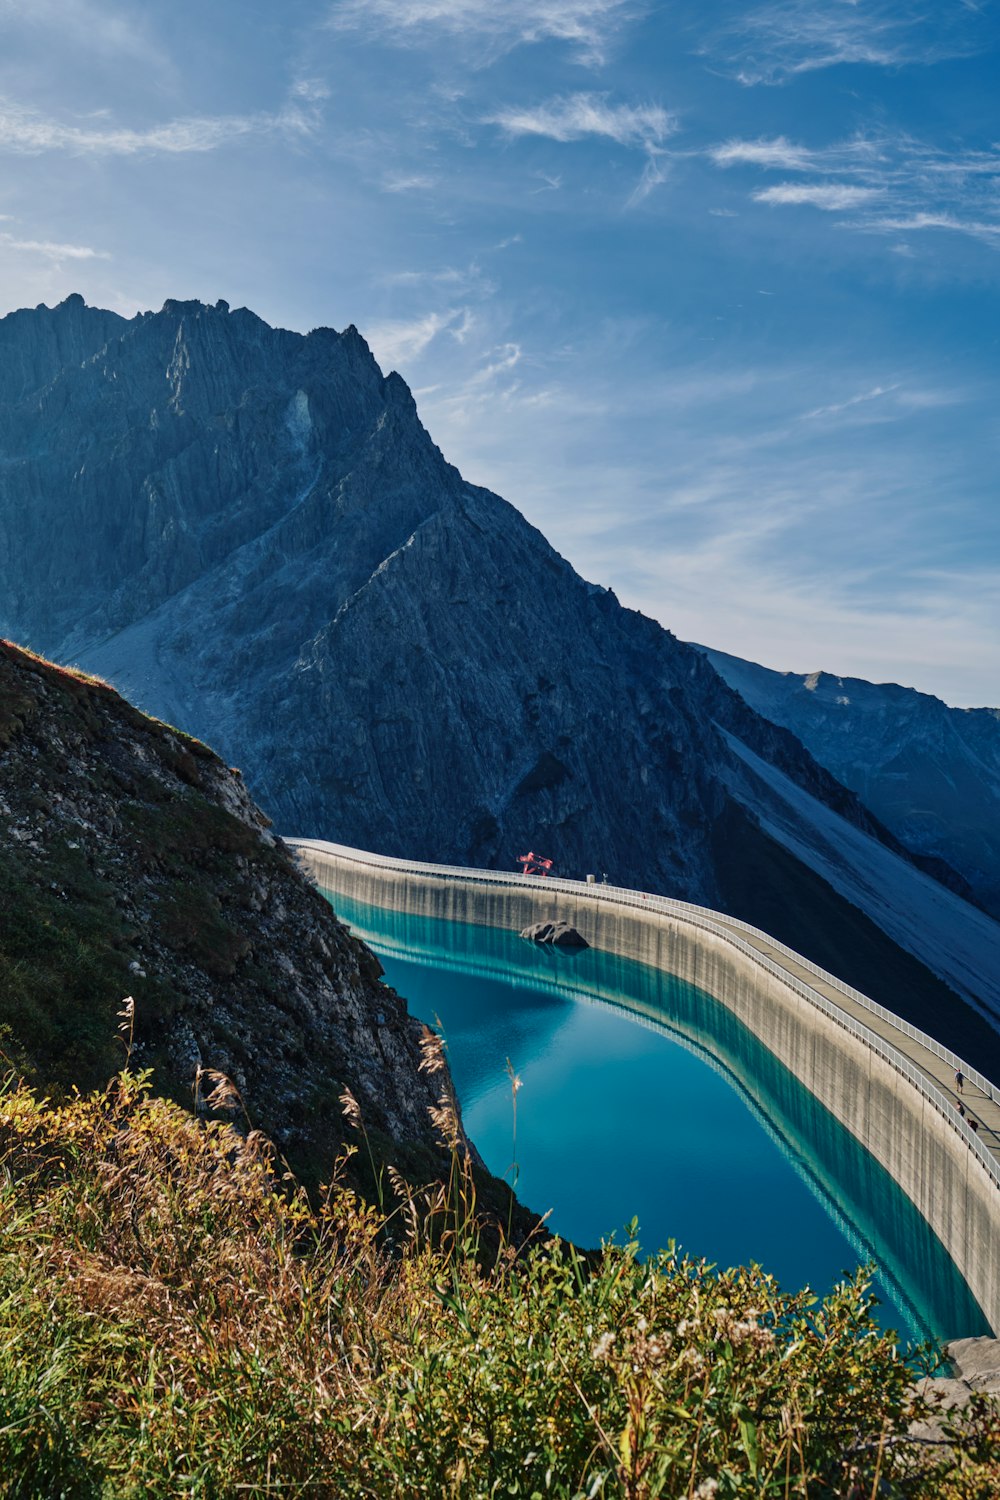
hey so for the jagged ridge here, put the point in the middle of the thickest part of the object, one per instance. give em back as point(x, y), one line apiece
point(266, 546)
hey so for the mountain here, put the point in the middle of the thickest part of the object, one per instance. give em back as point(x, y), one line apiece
point(133, 862)
point(250, 532)
point(929, 772)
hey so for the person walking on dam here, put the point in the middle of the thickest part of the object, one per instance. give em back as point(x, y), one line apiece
point(959, 1079)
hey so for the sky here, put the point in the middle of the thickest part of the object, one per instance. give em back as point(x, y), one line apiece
point(707, 290)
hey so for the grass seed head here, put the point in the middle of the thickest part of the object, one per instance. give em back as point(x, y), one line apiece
point(431, 1052)
point(350, 1108)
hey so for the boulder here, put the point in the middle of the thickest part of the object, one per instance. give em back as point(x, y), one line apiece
point(559, 934)
point(976, 1361)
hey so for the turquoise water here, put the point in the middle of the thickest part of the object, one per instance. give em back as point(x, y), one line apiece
point(642, 1095)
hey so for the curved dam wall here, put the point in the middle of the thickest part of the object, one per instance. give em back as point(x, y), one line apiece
point(877, 1078)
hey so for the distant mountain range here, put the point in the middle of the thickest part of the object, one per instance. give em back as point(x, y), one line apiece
point(931, 773)
point(249, 531)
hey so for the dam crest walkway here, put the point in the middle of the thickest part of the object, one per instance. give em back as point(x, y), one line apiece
point(928, 1065)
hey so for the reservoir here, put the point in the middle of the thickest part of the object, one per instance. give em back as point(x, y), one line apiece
point(642, 1096)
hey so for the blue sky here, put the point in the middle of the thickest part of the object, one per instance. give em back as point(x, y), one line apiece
point(708, 291)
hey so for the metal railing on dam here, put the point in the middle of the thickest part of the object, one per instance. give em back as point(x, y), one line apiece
point(947, 1161)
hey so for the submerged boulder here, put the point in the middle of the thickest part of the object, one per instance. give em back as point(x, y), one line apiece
point(560, 934)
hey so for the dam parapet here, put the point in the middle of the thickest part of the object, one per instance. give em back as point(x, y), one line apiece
point(892, 1086)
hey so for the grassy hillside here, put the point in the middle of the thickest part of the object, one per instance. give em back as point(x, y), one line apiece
point(179, 1319)
point(133, 862)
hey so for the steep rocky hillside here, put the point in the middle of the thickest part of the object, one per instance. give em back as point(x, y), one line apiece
point(251, 533)
point(133, 862)
point(931, 773)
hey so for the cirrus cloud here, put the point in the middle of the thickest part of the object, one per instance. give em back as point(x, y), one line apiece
point(498, 25)
point(896, 183)
point(52, 249)
point(27, 132)
point(830, 196)
point(777, 42)
point(575, 116)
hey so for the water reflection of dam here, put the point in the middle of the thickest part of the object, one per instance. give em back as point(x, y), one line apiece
point(867, 1123)
point(874, 1215)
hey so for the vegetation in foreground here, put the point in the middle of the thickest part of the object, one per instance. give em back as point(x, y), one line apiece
point(178, 1318)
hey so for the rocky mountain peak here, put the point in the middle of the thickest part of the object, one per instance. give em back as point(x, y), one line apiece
point(36, 344)
point(251, 530)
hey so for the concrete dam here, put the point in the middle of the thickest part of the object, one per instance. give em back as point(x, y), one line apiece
point(890, 1085)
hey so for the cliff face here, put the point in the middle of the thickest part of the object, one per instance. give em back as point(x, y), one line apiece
point(250, 531)
point(931, 773)
point(133, 862)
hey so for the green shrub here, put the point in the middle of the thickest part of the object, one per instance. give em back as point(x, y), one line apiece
point(178, 1318)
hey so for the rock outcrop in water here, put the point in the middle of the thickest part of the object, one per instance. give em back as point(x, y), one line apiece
point(558, 934)
point(250, 531)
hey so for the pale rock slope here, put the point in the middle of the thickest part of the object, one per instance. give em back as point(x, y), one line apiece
point(931, 773)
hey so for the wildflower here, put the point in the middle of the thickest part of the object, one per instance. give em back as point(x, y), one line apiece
point(127, 1014)
point(707, 1490)
point(658, 1347)
point(601, 1352)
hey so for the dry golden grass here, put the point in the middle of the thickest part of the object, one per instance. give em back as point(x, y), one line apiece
point(178, 1318)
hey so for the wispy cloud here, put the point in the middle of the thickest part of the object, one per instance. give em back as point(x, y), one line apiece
point(980, 229)
point(776, 42)
point(313, 90)
point(30, 133)
point(589, 26)
point(51, 249)
point(758, 527)
point(830, 196)
point(403, 341)
point(412, 182)
point(575, 116)
point(103, 28)
point(876, 393)
point(449, 276)
point(895, 184)
point(779, 152)
point(498, 362)
point(652, 175)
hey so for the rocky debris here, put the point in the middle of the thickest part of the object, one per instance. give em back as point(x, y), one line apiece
point(975, 1364)
point(559, 934)
point(133, 862)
